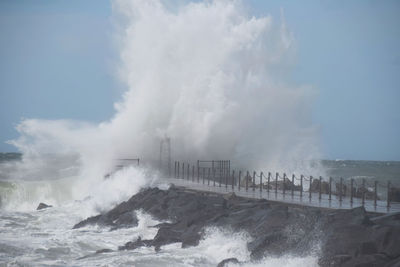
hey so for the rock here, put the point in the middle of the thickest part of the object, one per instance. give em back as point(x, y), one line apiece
point(112, 219)
point(136, 244)
point(344, 190)
point(394, 194)
point(226, 261)
point(104, 250)
point(43, 206)
point(368, 193)
point(347, 237)
point(229, 196)
point(286, 184)
point(315, 185)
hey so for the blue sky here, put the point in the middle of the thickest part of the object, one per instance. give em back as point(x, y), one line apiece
point(58, 60)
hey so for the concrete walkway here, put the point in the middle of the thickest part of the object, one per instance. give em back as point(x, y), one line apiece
point(314, 201)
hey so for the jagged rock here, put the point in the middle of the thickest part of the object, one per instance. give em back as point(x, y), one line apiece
point(226, 261)
point(114, 219)
point(43, 206)
point(346, 237)
point(136, 244)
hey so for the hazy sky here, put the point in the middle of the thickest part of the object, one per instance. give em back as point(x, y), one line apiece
point(58, 60)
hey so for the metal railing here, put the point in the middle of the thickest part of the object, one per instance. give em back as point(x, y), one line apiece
point(355, 192)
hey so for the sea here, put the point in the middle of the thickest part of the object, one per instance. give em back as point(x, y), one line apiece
point(30, 237)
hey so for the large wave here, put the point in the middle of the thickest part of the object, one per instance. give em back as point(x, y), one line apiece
point(207, 75)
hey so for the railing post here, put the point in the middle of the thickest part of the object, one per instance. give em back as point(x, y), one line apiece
point(388, 195)
point(301, 185)
point(363, 192)
point(341, 189)
point(309, 189)
point(247, 181)
point(233, 180)
point(193, 173)
point(292, 185)
point(261, 184)
point(204, 174)
point(178, 169)
point(226, 179)
point(254, 181)
point(175, 170)
point(220, 173)
point(208, 174)
point(375, 192)
point(198, 171)
point(284, 184)
point(188, 172)
point(268, 181)
point(330, 188)
point(320, 188)
point(351, 191)
point(240, 177)
point(183, 170)
point(208, 178)
point(213, 173)
point(276, 184)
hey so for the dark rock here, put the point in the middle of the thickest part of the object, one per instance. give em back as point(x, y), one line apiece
point(226, 261)
point(284, 185)
point(394, 263)
point(343, 191)
point(315, 186)
point(43, 206)
point(136, 244)
point(112, 219)
point(104, 250)
point(394, 194)
point(346, 237)
point(368, 193)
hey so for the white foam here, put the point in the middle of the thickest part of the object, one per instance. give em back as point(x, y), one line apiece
point(207, 75)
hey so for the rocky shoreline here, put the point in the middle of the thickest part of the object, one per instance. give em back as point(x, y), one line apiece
point(343, 237)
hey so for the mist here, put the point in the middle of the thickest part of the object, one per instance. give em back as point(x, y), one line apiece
point(209, 76)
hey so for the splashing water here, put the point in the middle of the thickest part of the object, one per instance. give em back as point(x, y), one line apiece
point(207, 75)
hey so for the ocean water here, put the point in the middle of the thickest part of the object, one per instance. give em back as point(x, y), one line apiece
point(45, 238)
point(381, 171)
point(29, 237)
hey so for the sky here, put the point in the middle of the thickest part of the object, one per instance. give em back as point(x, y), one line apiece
point(58, 59)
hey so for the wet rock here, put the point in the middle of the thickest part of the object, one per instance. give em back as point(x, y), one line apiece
point(394, 194)
point(346, 237)
point(43, 206)
point(368, 193)
point(342, 190)
point(113, 219)
point(284, 184)
point(104, 250)
point(315, 186)
point(136, 244)
point(226, 261)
